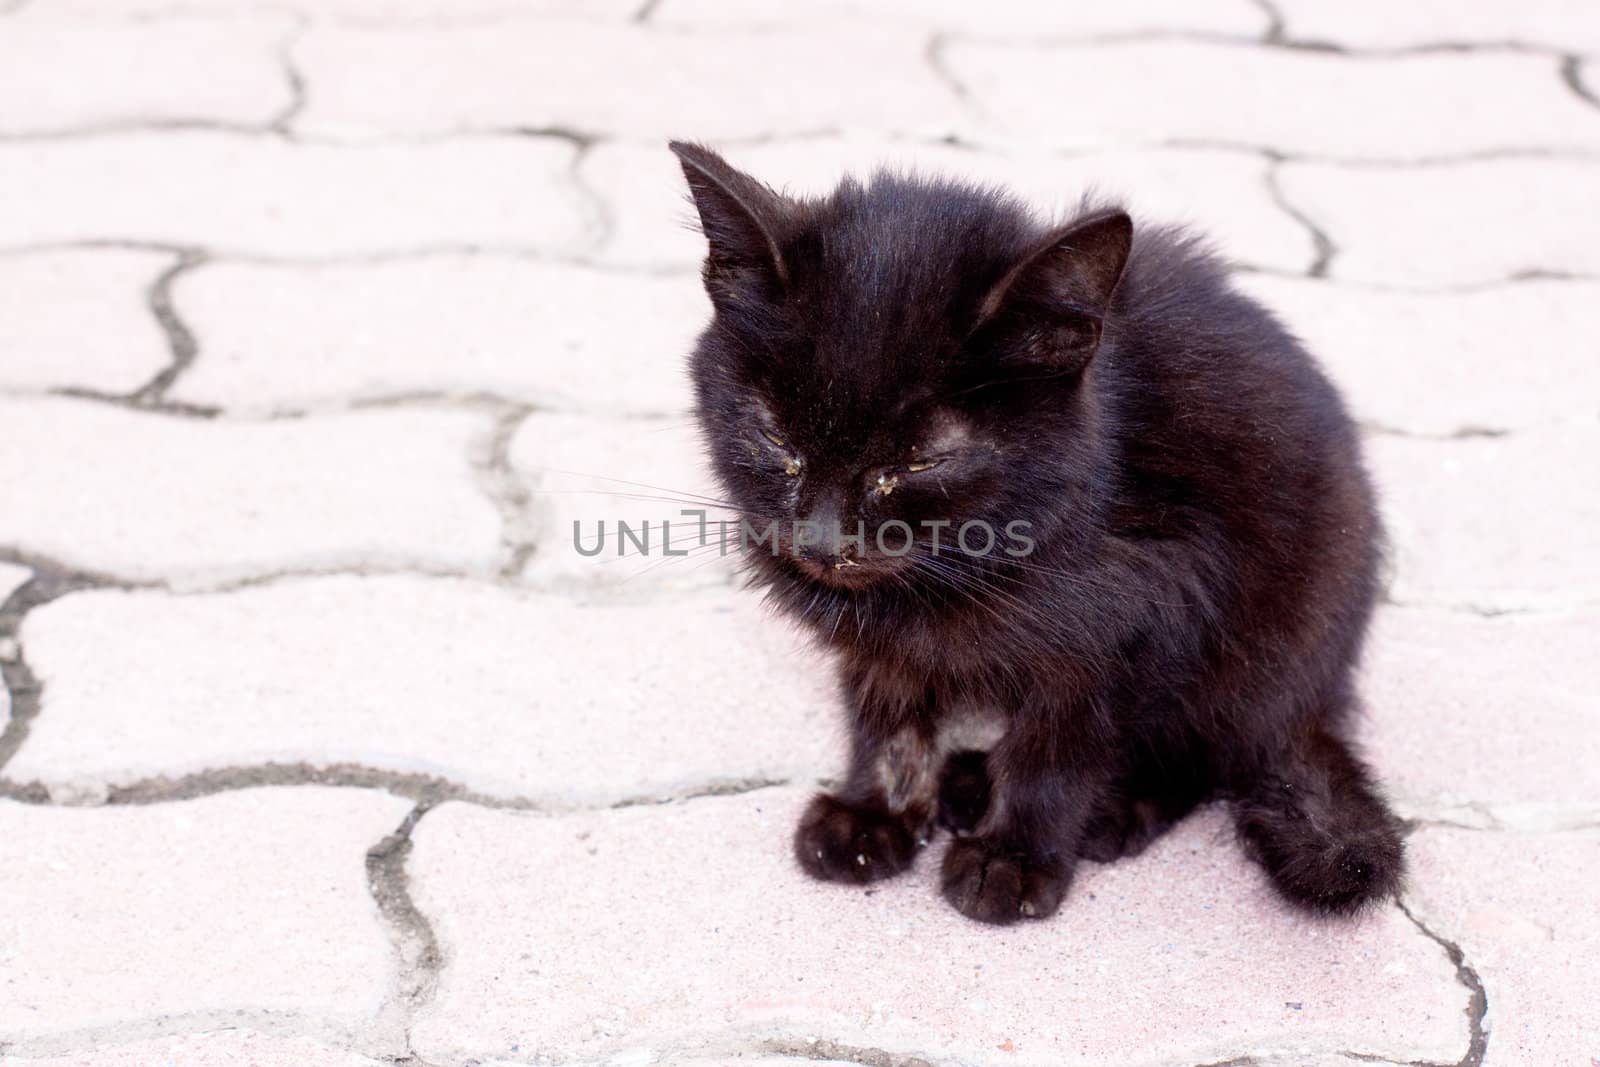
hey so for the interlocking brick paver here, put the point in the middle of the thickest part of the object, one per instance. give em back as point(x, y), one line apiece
point(148, 496)
point(11, 578)
point(1225, 193)
point(1561, 25)
point(1419, 362)
point(1521, 908)
point(1455, 223)
point(536, 75)
point(1395, 107)
point(80, 319)
point(251, 901)
point(176, 70)
point(587, 471)
point(1010, 18)
point(215, 1048)
point(691, 924)
point(269, 196)
point(1492, 523)
point(507, 693)
point(555, 335)
point(374, 12)
point(1485, 720)
point(436, 282)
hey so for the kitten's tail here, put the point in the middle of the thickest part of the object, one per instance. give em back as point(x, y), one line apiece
point(1315, 821)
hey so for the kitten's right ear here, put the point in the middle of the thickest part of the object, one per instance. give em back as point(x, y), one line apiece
point(1067, 280)
point(740, 218)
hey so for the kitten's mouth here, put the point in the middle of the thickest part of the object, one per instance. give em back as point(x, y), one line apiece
point(844, 573)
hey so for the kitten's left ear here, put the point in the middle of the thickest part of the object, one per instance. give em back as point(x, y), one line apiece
point(741, 219)
point(1067, 280)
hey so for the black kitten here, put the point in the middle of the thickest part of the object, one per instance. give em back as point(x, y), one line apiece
point(1181, 554)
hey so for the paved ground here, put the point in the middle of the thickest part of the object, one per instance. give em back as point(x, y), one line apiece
point(324, 749)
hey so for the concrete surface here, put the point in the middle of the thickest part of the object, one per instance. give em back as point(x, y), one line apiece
point(321, 321)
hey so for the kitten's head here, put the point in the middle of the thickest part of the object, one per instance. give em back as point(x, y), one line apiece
point(904, 352)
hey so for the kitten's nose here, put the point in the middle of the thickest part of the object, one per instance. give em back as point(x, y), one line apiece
point(820, 538)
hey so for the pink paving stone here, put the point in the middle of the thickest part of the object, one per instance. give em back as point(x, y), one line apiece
point(1397, 106)
point(214, 1048)
point(541, 74)
point(277, 337)
point(1418, 361)
point(1568, 25)
point(1522, 909)
point(563, 701)
point(1010, 18)
point(251, 901)
point(1404, 226)
point(689, 926)
point(268, 196)
point(1485, 720)
point(586, 471)
point(66, 75)
point(1495, 523)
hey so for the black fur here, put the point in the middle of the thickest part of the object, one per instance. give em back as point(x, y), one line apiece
point(1205, 546)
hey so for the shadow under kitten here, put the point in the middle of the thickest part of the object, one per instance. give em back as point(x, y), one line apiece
point(1189, 553)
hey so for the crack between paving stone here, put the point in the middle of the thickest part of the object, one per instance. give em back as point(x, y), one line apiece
point(181, 342)
point(1323, 247)
point(828, 1050)
point(599, 220)
point(425, 790)
point(273, 1022)
point(1477, 1007)
point(25, 689)
point(418, 955)
point(1274, 32)
point(283, 124)
point(933, 56)
point(491, 466)
point(1572, 78)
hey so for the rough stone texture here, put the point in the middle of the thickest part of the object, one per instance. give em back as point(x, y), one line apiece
point(216, 1048)
point(1562, 25)
point(1399, 107)
point(1224, 193)
point(174, 71)
point(1387, 349)
point(590, 471)
point(1494, 524)
point(511, 694)
point(1411, 227)
point(267, 196)
point(255, 900)
point(691, 925)
point(11, 579)
point(1521, 908)
point(1490, 722)
point(435, 292)
point(539, 75)
point(373, 12)
point(275, 338)
point(1011, 19)
point(47, 297)
point(147, 496)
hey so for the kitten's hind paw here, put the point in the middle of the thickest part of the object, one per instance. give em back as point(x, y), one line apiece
point(995, 885)
point(839, 842)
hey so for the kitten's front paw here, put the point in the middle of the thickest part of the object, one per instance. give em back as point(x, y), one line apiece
point(837, 842)
point(994, 885)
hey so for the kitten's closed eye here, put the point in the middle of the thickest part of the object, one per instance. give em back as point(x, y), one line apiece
point(791, 463)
